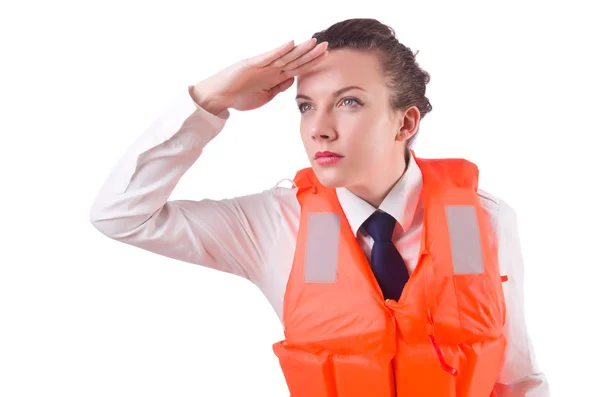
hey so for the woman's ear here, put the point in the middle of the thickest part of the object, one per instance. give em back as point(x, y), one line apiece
point(408, 123)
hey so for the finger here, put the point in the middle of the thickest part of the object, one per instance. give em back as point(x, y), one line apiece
point(269, 56)
point(297, 52)
point(286, 84)
point(281, 87)
point(309, 56)
point(306, 67)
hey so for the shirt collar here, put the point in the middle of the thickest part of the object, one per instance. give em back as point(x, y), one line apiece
point(401, 202)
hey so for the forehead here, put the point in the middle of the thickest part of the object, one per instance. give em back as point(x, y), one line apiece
point(342, 67)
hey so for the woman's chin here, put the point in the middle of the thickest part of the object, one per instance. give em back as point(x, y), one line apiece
point(330, 177)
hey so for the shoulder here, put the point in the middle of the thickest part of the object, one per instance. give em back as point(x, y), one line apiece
point(501, 213)
point(283, 196)
point(488, 200)
point(264, 209)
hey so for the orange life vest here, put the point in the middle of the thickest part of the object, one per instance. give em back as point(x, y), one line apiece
point(443, 337)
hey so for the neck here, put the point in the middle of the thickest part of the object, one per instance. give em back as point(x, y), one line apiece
point(378, 182)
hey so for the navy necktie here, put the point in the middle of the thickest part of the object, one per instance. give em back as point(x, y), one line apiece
point(387, 263)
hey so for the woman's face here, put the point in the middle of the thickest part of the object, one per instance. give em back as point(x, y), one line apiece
point(355, 123)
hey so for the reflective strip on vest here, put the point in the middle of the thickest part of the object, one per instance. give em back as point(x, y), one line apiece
point(322, 247)
point(465, 240)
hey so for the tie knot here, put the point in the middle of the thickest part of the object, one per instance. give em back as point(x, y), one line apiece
point(380, 225)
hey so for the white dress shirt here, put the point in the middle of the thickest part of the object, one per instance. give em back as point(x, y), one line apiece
point(254, 236)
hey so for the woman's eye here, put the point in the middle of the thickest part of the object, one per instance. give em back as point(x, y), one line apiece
point(301, 107)
point(348, 102)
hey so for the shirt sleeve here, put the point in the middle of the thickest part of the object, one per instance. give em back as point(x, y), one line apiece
point(520, 375)
point(132, 206)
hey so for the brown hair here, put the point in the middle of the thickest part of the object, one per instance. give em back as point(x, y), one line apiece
point(403, 76)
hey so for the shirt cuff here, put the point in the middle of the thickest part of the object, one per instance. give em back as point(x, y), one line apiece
point(224, 114)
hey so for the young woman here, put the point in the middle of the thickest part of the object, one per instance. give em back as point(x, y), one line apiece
point(392, 275)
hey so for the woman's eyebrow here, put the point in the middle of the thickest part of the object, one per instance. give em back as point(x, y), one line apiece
point(337, 93)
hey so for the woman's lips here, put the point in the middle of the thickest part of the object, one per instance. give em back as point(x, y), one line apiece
point(328, 160)
point(327, 153)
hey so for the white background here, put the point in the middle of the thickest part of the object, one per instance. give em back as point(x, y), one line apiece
point(514, 89)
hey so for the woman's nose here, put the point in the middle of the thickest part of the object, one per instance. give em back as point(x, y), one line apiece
point(323, 131)
point(322, 127)
point(322, 136)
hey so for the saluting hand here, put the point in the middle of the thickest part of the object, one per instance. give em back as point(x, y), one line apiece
point(253, 82)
